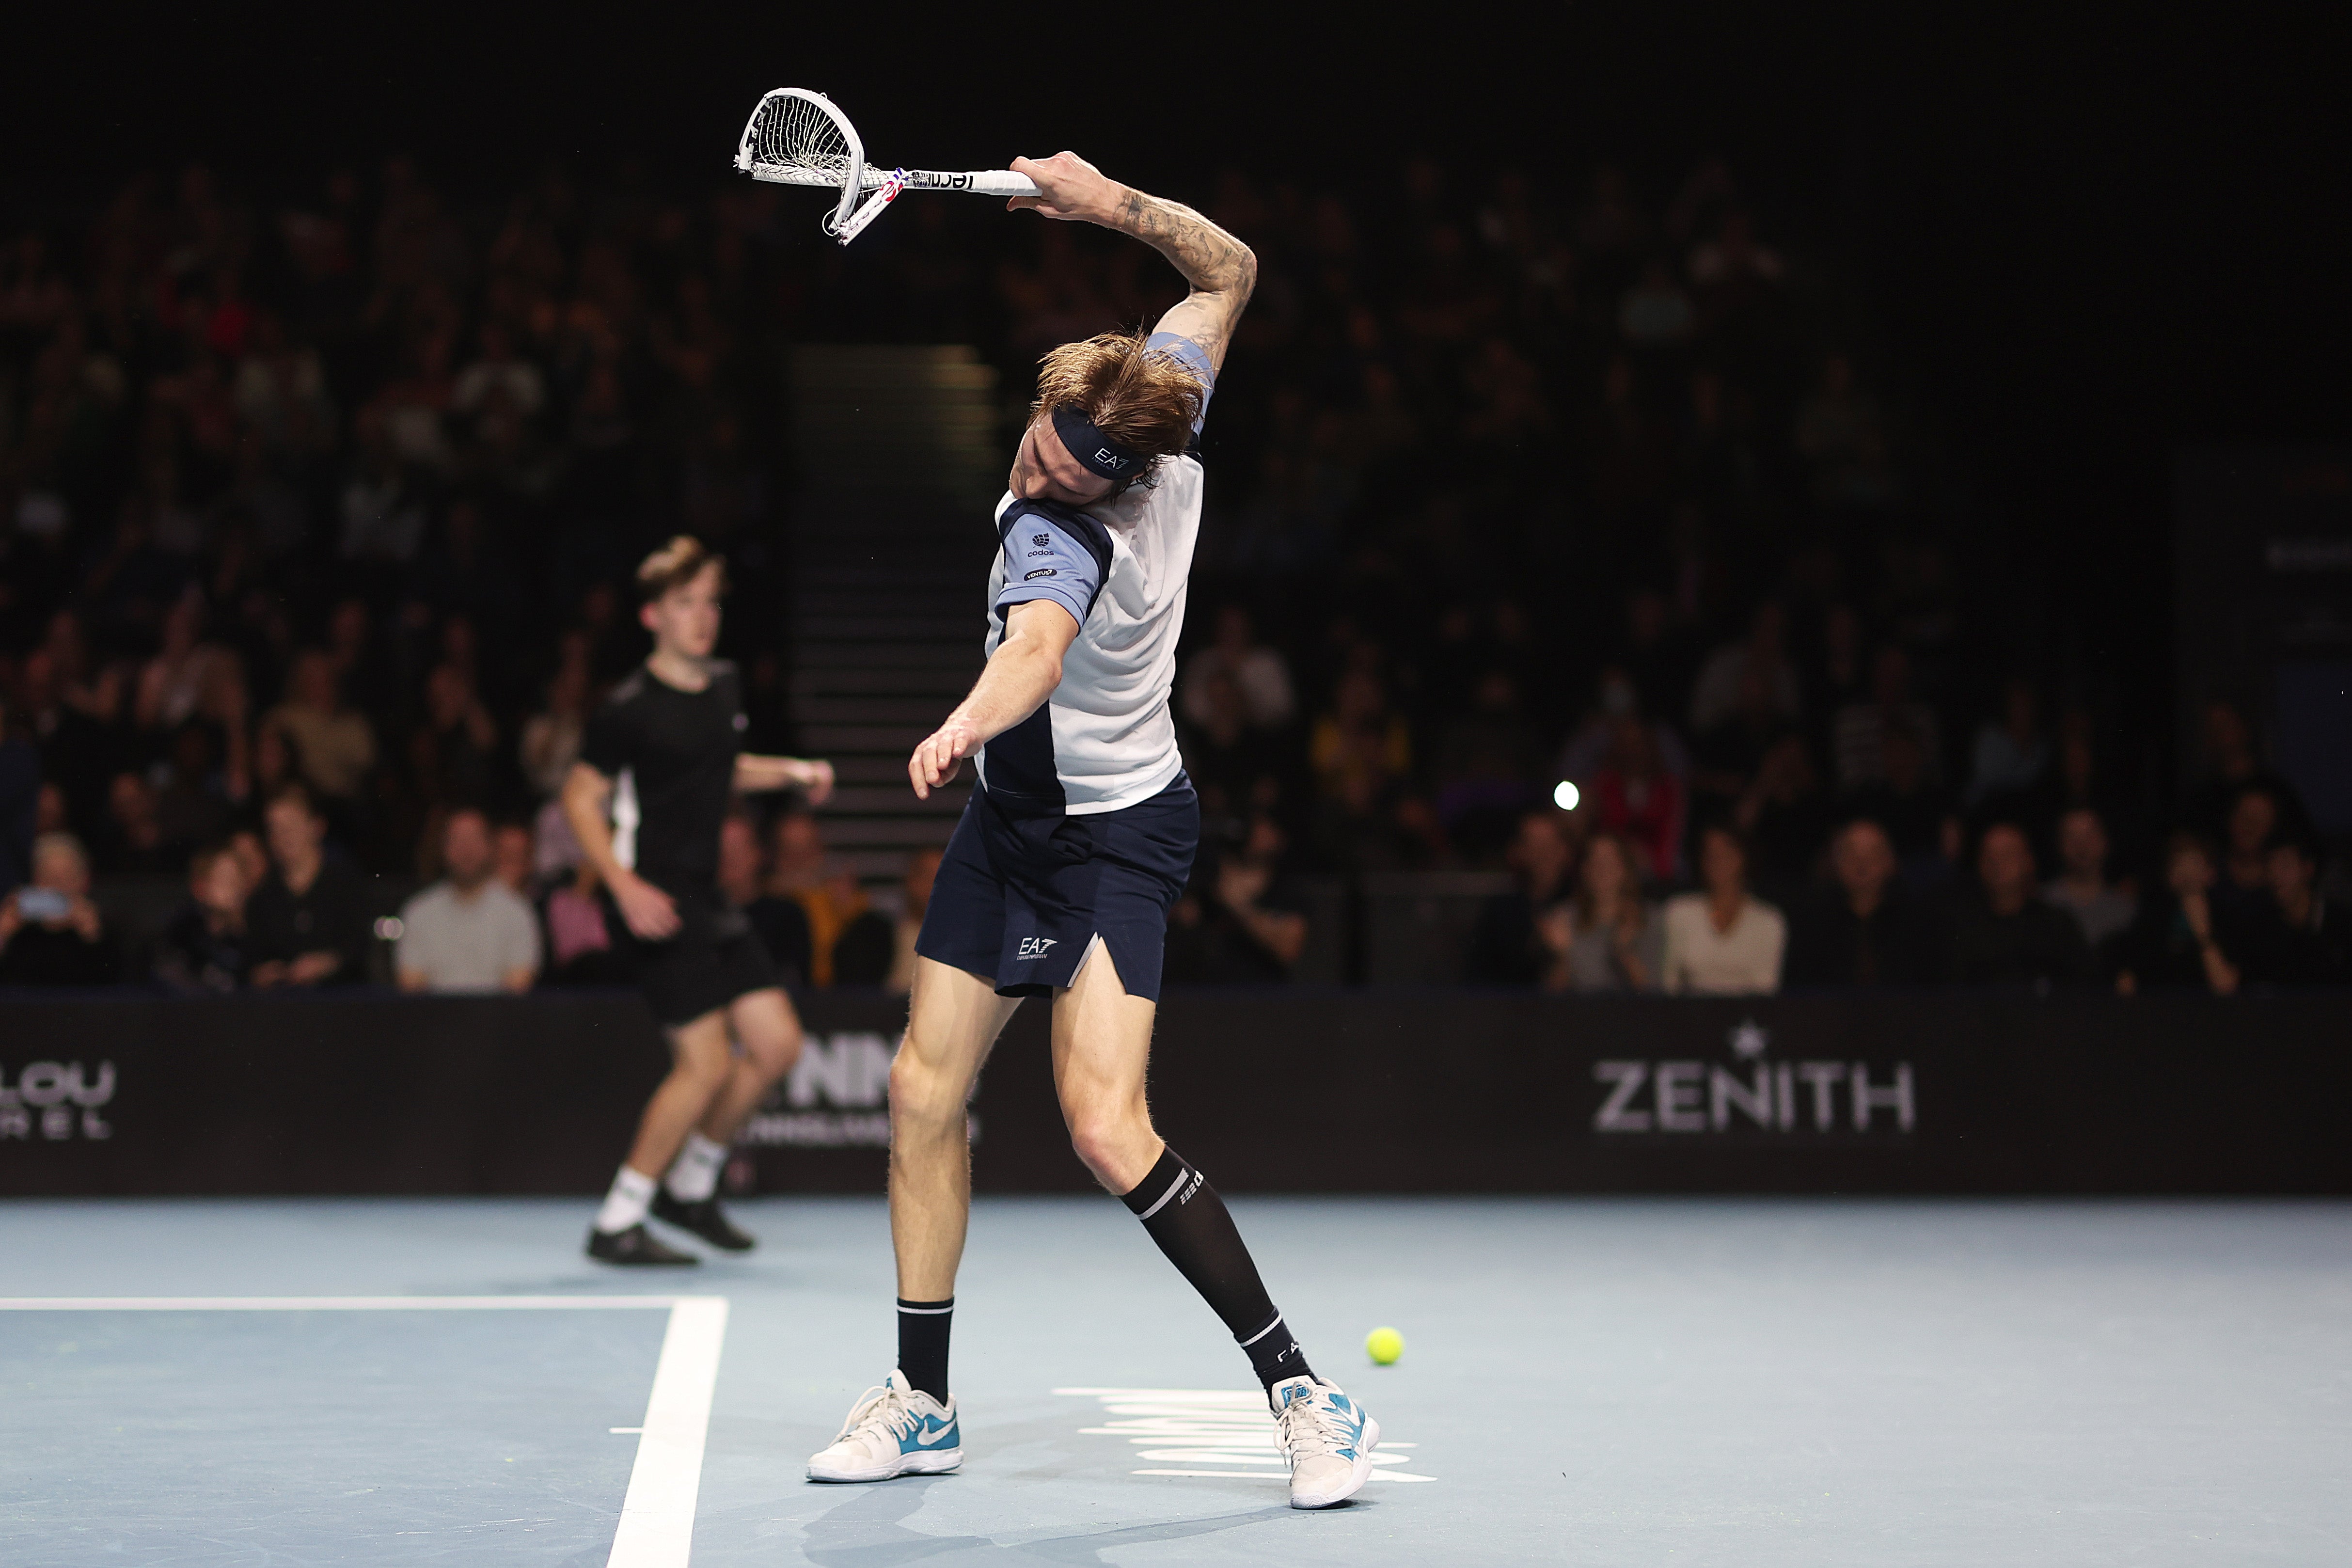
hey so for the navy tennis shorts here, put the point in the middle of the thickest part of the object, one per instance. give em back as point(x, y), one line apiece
point(1020, 898)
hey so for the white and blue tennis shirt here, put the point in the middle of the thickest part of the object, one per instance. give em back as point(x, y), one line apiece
point(1105, 738)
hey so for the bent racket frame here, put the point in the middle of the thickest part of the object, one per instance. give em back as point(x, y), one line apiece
point(795, 137)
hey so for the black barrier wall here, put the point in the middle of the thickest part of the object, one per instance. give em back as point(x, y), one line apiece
point(1268, 1091)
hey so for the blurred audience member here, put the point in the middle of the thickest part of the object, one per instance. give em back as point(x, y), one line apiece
point(134, 844)
point(1763, 657)
point(915, 890)
point(1784, 816)
point(20, 800)
point(777, 918)
point(1238, 930)
point(333, 746)
point(2243, 891)
point(309, 920)
point(206, 948)
point(2002, 933)
point(1604, 938)
point(550, 737)
point(469, 934)
point(2178, 942)
point(1507, 946)
point(2011, 756)
point(1866, 930)
point(2101, 909)
point(1915, 814)
point(514, 859)
point(50, 931)
point(1257, 671)
point(2230, 767)
point(1721, 942)
point(455, 748)
point(1635, 799)
point(1861, 730)
point(2305, 938)
point(863, 942)
point(579, 943)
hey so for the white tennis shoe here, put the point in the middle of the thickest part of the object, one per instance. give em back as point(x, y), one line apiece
point(1328, 1438)
point(894, 1430)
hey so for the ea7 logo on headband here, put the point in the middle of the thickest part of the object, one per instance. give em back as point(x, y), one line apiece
point(1105, 455)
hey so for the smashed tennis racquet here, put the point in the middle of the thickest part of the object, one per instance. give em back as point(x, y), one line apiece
point(796, 137)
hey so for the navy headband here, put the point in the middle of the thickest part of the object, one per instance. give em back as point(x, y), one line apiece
point(1095, 452)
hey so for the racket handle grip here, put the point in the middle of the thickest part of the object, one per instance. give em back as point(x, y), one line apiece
point(1003, 183)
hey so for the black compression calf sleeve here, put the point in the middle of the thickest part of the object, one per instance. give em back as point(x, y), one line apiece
point(923, 1344)
point(1184, 1215)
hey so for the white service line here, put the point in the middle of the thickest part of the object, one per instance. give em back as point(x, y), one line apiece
point(657, 1517)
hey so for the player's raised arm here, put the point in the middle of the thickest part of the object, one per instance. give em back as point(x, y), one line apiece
point(1222, 270)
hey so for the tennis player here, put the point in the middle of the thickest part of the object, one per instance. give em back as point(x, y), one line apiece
point(1059, 878)
point(658, 765)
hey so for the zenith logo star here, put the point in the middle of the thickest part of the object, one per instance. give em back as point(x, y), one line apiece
point(1036, 946)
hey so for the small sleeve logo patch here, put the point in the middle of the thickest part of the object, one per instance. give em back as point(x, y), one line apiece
point(1041, 571)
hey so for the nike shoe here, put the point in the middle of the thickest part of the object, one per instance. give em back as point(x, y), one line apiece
point(893, 1430)
point(704, 1219)
point(1328, 1438)
point(636, 1247)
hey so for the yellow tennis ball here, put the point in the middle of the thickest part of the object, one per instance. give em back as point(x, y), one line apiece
point(1384, 1345)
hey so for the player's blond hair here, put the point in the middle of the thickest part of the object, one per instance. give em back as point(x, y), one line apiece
point(673, 566)
point(1145, 399)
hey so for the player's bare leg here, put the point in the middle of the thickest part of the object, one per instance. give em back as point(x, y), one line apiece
point(1102, 1050)
point(1102, 1047)
point(767, 1037)
point(908, 1425)
point(701, 1058)
point(952, 1021)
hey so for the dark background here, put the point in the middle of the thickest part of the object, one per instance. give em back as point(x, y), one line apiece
point(2090, 237)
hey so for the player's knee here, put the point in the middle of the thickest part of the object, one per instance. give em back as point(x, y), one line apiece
point(920, 1093)
point(773, 1048)
point(1106, 1140)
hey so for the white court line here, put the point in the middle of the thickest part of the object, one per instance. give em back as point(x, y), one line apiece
point(657, 1518)
point(657, 1528)
point(323, 1303)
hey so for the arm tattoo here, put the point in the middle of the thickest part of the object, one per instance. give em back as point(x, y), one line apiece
point(1222, 270)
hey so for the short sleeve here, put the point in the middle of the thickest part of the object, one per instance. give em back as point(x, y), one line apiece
point(604, 744)
point(1043, 559)
point(1193, 357)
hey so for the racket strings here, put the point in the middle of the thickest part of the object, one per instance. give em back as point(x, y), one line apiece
point(796, 134)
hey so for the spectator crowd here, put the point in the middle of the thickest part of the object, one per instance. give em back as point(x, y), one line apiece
point(1559, 531)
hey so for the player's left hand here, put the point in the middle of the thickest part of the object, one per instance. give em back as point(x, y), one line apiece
point(940, 757)
point(1069, 189)
point(816, 779)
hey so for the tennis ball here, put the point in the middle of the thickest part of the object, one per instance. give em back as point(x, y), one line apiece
point(1384, 1345)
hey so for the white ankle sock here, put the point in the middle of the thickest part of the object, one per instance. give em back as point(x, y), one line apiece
point(694, 1174)
point(624, 1205)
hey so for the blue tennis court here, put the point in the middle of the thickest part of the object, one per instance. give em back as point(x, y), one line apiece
point(1584, 1381)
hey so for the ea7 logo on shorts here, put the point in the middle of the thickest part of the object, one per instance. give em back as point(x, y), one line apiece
point(1036, 946)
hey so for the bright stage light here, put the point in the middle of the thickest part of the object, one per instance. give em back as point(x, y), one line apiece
point(1565, 796)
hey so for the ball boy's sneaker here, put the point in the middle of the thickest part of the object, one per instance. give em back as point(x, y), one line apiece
point(702, 1217)
point(893, 1430)
point(1328, 1438)
point(636, 1247)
